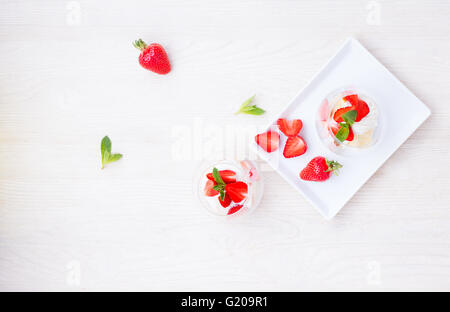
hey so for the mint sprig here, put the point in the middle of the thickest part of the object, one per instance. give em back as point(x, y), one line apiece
point(246, 108)
point(220, 185)
point(349, 119)
point(105, 149)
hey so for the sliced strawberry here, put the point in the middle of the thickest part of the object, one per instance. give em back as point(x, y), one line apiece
point(352, 99)
point(335, 130)
point(237, 191)
point(362, 110)
point(295, 146)
point(226, 201)
point(234, 209)
point(228, 176)
point(290, 127)
point(209, 191)
point(351, 135)
point(269, 141)
point(341, 111)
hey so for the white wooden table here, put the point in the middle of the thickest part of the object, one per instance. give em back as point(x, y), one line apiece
point(69, 75)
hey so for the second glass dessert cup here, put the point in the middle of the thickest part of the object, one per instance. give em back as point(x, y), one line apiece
point(246, 171)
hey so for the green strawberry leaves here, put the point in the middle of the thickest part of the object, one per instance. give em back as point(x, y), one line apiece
point(105, 149)
point(246, 108)
point(349, 119)
point(333, 166)
point(220, 185)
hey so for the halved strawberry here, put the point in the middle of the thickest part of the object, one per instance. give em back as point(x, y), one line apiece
point(237, 191)
point(351, 135)
point(269, 141)
point(362, 110)
point(352, 99)
point(341, 111)
point(290, 127)
point(335, 130)
point(295, 146)
point(361, 107)
point(226, 201)
point(209, 191)
point(228, 176)
point(234, 209)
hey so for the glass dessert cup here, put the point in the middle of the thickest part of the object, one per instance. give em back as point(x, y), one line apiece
point(246, 171)
point(366, 131)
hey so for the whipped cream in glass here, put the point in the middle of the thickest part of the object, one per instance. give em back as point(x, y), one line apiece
point(246, 171)
point(365, 131)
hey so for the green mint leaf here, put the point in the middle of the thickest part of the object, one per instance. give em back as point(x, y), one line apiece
point(217, 177)
point(219, 188)
point(343, 132)
point(253, 110)
point(246, 108)
point(247, 102)
point(350, 117)
point(106, 145)
point(105, 148)
point(222, 195)
point(114, 157)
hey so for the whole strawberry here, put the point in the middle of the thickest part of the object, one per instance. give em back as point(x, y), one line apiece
point(153, 57)
point(319, 169)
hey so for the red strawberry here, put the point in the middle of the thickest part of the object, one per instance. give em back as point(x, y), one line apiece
point(341, 111)
point(269, 141)
point(351, 135)
point(352, 99)
point(295, 146)
point(237, 191)
point(319, 169)
point(234, 209)
point(335, 130)
point(228, 176)
point(290, 127)
point(153, 57)
point(226, 201)
point(362, 110)
point(209, 191)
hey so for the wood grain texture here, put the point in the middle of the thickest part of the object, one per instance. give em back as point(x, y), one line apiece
point(137, 225)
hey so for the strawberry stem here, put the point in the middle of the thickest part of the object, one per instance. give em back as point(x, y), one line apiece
point(333, 166)
point(140, 44)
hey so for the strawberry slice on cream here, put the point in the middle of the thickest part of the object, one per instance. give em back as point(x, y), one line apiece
point(361, 130)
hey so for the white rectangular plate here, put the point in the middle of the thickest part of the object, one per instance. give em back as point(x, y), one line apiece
point(402, 114)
